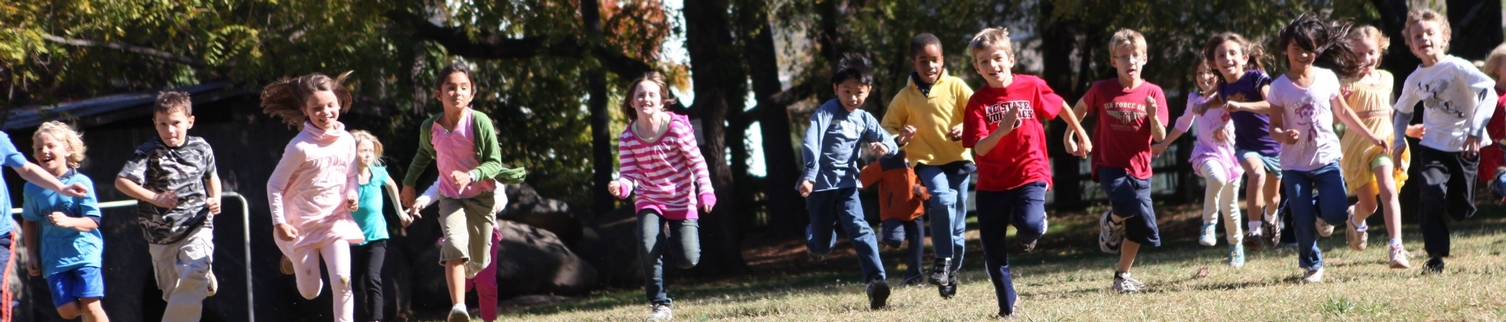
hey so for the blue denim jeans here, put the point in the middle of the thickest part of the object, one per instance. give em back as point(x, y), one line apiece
point(948, 211)
point(1023, 207)
point(1311, 196)
point(655, 243)
point(840, 206)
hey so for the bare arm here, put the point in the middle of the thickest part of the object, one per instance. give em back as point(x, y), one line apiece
point(1084, 145)
point(1352, 121)
point(33, 251)
point(34, 174)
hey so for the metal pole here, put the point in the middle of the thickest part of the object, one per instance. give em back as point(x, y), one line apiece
point(246, 241)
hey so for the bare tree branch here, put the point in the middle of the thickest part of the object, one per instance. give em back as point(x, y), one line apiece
point(129, 48)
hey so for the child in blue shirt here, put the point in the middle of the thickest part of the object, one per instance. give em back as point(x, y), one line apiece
point(64, 229)
point(838, 130)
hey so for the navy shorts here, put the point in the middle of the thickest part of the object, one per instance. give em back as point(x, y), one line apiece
point(1129, 198)
point(70, 285)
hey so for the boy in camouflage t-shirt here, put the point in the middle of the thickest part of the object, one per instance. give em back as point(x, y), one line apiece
point(174, 175)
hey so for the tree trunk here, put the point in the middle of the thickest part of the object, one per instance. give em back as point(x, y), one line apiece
point(1057, 41)
point(784, 206)
point(715, 73)
point(1477, 27)
point(601, 144)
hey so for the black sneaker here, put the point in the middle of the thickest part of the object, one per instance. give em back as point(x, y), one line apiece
point(878, 294)
point(1434, 266)
point(950, 289)
point(939, 276)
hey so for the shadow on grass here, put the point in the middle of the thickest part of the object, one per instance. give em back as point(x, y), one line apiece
point(780, 268)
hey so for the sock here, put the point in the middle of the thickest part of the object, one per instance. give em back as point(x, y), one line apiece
point(1359, 225)
point(1254, 226)
point(1396, 242)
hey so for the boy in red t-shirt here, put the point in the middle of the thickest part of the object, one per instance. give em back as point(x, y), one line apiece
point(1004, 124)
point(1133, 113)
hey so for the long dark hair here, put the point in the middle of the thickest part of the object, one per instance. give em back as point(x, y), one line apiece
point(1326, 40)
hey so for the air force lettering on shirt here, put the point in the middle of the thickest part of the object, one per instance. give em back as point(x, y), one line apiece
point(997, 111)
point(1126, 113)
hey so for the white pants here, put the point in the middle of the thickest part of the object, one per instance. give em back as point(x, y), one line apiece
point(183, 270)
point(1220, 196)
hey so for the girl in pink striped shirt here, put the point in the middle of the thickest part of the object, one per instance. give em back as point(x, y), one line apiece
point(660, 161)
point(313, 189)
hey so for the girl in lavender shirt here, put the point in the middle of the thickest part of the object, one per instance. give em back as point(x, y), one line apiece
point(1212, 158)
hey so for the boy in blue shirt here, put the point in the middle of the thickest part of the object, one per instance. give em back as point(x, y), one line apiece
point(34, 174)
point(67, 227)
point(838, 130)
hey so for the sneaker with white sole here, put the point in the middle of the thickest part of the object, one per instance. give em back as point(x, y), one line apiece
point(1399, 257)
point(939, 269)
point(1324, 229)
point(1313, 275)
point(660, 312)
point(1124, 283)
point(1271, 225)
point(1110, 234)
point(1237, 255)
point(458, 314)
point(1206, 236)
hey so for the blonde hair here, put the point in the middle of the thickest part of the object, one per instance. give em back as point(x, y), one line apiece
point(1418, 16)
point(376, 145)
point(1373, 34)
point(1126, 37)
point(991, 38)
point(1494, 62)
point(62, 132)
point(287, 97)
point(651, 77)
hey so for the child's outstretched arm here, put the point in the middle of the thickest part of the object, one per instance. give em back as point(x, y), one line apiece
point(34, 173)
point(872, 132)
point(392, 195)
point(1261, 106)
point(87, 209)
point(421, 160)
point(1083, 144)
point(1352, 122)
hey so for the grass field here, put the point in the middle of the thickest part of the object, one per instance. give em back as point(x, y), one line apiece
point(1068, 280)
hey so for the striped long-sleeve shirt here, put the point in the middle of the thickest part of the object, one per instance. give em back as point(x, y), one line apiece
point(668, 174)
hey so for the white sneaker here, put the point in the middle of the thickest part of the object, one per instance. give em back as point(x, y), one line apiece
point(1110, 235)
point(1399, 257)
point(1124, 283)
point(458, 314)
point(1207, 237)
point(661, 312)
point(1313, 276)
point(1324, 229)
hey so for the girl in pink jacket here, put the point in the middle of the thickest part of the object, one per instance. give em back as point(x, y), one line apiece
point(313, 190)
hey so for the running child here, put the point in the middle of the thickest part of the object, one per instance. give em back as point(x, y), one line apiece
point(315, 187)
point(662, 165)
point(838, 131)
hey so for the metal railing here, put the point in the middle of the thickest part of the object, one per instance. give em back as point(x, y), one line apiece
point(245, 234)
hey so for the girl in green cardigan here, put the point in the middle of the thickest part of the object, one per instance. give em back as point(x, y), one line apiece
point(464, 144)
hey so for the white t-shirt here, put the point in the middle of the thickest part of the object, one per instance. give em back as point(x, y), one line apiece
point(1457, 100)
point(1309, 111)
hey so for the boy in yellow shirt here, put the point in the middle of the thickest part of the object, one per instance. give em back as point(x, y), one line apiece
point(926, 119)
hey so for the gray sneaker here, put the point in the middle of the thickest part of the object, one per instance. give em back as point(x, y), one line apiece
point(1313, 276)
point(458, 314)
point(1124, 283)
point(1110, 234)
point(660, 312)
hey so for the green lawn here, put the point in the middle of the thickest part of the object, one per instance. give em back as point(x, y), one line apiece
point(1068, 280)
